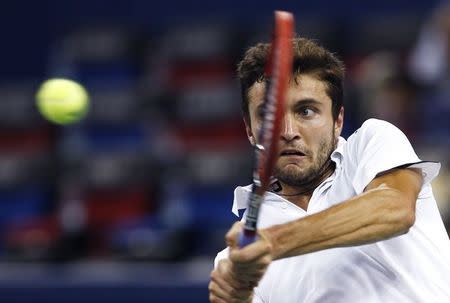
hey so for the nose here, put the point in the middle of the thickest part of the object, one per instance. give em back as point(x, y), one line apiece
point(288, 132)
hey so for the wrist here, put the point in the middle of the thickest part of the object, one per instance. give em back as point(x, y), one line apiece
point(267, 236)
point(280, 238)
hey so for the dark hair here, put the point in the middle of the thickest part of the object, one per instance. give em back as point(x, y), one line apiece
point(308, 58)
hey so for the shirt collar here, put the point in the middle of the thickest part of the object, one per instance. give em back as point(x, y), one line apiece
point(240, 198)
point(241, 193)
point(338, 154)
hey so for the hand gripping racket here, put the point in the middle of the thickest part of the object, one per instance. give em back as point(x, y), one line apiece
point(278, 71)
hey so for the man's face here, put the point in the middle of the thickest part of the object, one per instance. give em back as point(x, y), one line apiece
point(308, 133)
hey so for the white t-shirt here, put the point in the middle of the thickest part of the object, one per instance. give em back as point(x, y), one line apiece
point(414, 267)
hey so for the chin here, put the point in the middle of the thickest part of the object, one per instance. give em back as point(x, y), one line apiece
point(292, 168)
point(291, 172)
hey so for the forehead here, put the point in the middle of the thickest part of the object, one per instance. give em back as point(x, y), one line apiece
point(304, 87)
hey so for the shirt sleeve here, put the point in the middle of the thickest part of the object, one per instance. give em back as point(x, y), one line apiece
point(379, 146)
point(256, 298)
point(221, 255)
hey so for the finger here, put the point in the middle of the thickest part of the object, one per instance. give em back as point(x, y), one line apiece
point(232, 236)
point(241, 281)
point(246, 280)
point(249, 275)
point(250, 253)
point(217, 291)
point(251, 282)
point(213, 298)
point(223, 282)
point(222, 289)
point(233, 278)
point(257, 265)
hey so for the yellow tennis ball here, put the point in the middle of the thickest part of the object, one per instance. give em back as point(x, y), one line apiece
point(62, 101)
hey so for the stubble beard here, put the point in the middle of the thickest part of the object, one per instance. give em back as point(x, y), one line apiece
point(301, 177)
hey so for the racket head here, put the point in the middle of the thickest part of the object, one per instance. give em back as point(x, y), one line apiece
point(278, 71)
point(278, 74)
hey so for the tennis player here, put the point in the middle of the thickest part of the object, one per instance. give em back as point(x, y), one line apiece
point(347, 220)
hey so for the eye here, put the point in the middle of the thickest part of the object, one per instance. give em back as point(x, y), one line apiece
point(260, 113)
point(306, 112)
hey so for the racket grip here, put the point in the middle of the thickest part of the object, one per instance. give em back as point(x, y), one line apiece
point(246, 238)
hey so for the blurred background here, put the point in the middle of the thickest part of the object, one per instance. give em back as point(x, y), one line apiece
point(131, 204)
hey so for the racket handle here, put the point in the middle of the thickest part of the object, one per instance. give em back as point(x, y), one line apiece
point(246, 237)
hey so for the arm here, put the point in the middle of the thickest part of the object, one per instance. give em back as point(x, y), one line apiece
point(385, 209)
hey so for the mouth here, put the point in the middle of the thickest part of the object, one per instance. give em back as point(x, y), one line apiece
point(292, 153)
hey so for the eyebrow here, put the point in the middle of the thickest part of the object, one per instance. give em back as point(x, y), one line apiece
point(301, 102)
point(307, 101)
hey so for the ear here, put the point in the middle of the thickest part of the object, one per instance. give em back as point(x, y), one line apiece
point(339, 123)
point(248, 130)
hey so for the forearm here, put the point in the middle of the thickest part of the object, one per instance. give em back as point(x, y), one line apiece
point(372, 216)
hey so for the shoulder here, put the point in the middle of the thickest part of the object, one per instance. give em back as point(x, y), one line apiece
point(375, 132)
point(373, 127)
point(373, 123)
point(375, 147)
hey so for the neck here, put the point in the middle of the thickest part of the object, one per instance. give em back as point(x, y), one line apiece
point(301, 194)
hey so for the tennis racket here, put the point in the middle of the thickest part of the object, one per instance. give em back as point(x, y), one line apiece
point(278, 71)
